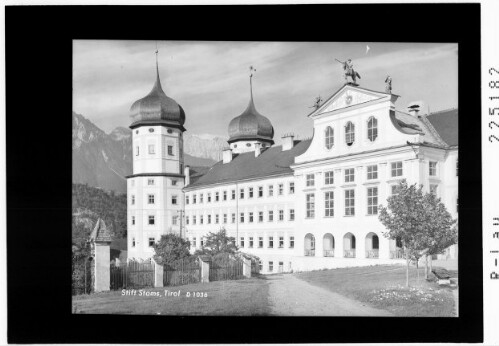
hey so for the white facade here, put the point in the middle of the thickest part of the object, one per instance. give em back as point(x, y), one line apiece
point(353, 177)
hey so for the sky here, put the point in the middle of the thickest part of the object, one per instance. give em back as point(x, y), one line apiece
point(210, 80)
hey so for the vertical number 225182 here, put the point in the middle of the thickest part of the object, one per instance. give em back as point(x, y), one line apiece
point(492, 110)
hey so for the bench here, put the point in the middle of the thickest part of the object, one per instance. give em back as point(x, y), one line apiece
point(442, 275)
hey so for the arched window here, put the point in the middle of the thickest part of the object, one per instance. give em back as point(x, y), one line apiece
point(375, 242)
point(372, 129)
point(349, 133)
point(329, 136)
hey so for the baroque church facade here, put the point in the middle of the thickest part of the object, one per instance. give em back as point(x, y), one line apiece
point(303, 205)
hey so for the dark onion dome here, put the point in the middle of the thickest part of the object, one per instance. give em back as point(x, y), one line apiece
point(251, 125)
point(157, 109)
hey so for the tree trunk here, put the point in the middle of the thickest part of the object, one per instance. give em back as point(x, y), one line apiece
point(426, 267)
point(431, 263)
point(407, 267)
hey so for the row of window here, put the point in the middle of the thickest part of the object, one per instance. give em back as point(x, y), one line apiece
point(151, 199)
point(251, 192)
point(152, 150)
point(251, 217)
point(151, 220)
point(257, 242)
point(152, 182)
point(372, 133)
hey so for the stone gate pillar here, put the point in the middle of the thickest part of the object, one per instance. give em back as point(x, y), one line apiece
point(158, 274)
point(204, 262)
point(246, 267)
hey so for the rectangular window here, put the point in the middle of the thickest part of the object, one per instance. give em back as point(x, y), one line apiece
point(291, 215)
point(225, 219)
point(250, 192)
point(233, 217)
point(372, 200)
point(241, 217)
point(225, 195)
point(241, 193)
point(260, 191)
point(233, 194)
point(217, 196)
point(174, 200)
point(251, 217)
point(310, 179)
point(133, 220)
point(372, 172)
point(137, 151)
point(260, 266)
point(291, 242)
point(271, 190)
point(209, 219)
point(150, 199)
point(194, 199)
point(133, 242)
point(349, 202)
point(433, 168)
point(260, 216)
point(186, 199)
point(193, 219)
point(271, 242)
point(271, 266)
point(217, 218)
point(194, 244)
point(310, 207)
point(329, 204)
point(174, 182)
point(151, 219)
point(208, 197)
point(434, 189)
point(271, 215)
point(260, 242)
point(202, 242)
point(251, 242)
point(201, 219)
point(329, 178)
point(150, 181)
point(133, 200)
point(201, 197)
point(151, 242)
point(395, 189)
point(281, 215)
point(174, 220)
point(281, 189)
point(281, 242)
point(170, 150)
point(397, 169)
point(291, 188)
point(241, 242)
point(349, 175)
point(151, 148)
point(187, 220)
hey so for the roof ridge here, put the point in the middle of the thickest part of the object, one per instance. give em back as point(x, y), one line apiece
point(444, 110)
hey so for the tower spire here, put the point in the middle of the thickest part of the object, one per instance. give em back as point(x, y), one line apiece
point(251, 81)
point(157, 85)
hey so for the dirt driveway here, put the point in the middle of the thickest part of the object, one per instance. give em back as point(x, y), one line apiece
point(290, 296)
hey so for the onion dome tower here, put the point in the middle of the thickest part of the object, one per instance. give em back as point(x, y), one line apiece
point(250, 128)
point(154, 189)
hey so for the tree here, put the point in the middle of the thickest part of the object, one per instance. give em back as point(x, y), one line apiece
point(170, 248)
point(419, 220)
point(218, 243)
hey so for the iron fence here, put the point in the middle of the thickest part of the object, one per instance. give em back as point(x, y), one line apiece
point(226, 269)
point(328, 253)
point(372, 253)
point(309, 252)
point(182, 272)
point(132, 275)
point(349, 253)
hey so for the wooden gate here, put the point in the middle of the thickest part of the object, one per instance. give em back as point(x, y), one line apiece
point(182, 272)
point(226, 269)
point(132, 275)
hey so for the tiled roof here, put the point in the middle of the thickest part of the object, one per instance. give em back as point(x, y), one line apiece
point(409, 124)
point(100, 232)
point(446, 124)
point(272, 161)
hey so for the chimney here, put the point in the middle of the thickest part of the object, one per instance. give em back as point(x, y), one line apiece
point(227, 155)
point(258, 149)
point(287, 141)
point(415, 107)
point(187, 173)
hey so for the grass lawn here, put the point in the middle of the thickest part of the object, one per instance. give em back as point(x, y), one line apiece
point(383, 287)
point(247, 297)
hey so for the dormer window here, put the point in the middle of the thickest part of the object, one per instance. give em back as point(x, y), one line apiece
point(372, 129)
point(349, 133)
point(329, 137)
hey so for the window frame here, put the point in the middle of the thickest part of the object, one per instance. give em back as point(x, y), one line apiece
point(329, 204)
point(372, 200)
point(372, 129)
point(394, 169)
point(329, 137)
point(310, 205)
point(349, 133)
point(349, 202)
point(329, 178)
point(349, 175)
point(372, 171)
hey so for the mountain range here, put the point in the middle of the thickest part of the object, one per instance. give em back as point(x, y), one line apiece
point(104, 160)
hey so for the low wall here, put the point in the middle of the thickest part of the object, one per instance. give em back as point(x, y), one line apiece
point(307, 263)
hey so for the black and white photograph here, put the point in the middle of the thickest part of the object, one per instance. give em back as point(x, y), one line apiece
point(265, 178)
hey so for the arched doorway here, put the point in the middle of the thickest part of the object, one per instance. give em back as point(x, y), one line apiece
point(372, 245)
point(309, 245)
point(349, 245)
point(328, 245)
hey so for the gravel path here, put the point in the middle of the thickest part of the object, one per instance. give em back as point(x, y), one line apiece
point(290, 296)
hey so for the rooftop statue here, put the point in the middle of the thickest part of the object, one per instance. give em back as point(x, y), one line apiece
point(349, 71)
point(388, 86)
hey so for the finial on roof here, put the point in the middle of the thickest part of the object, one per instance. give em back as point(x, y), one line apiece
point(158, 82)
point(252, 69)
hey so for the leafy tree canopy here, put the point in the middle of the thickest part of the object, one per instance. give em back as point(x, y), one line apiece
point(170, 248)
point(216, 243)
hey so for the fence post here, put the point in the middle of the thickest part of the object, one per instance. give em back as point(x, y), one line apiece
point(246, 267)
point(204, 263)
point(158, 274)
